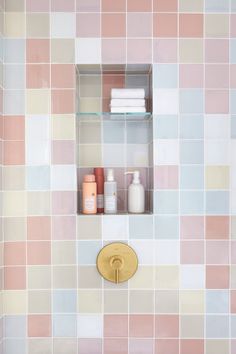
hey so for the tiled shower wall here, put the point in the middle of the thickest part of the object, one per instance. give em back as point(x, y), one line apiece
point(183, 298)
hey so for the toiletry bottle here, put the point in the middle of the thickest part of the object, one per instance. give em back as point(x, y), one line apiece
point(99, 177)
point(89, 195)
point(110, 193)
point(136, 194)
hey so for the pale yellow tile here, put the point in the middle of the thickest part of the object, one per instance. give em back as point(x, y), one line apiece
point(191, 5)
point(217, 346)
point(141, 301)
point(89, 278)
point(217, 177)
point(14, 24)
point(37, 101)
point(14, 203)
point(167, 277)
point(116, 301)
point(90, 155)
point(39, 277)
point(65, 345)
point(191, 301)
point(13, 178)
point(216, 25)
point(191, 50)
point(14, 5)
point(39, 301)
point(39, 345)
point(63, 127)
point(90, 301)
point(90, 133)
point(14, 229)
point(62, 51)
point(64, 277)
point(37, 25)
point(64, 252)
point(89, 227)
point(38, 203)
point(90, 86)
point(143, 278)
point(15, 302)
point(167, 301)
point(192, 326)
point(90, 105)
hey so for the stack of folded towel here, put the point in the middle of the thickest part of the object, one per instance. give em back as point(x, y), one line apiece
point(128, 101)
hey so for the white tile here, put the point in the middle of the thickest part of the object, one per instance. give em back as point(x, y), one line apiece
point(217, 126)
point(217, 152)
point(63, 177)
point(167, 252)
point(38, 152)
point(37, 128)
point(166, 152)
point(62, 25)
point(88, 51)
point(115, 227)
point(144, 250)
point(192, 277)
point(165, 101)
point(90, 326)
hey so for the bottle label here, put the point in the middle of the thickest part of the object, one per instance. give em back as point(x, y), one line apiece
point(89, 204)
point(100, 201)
point(110, 203)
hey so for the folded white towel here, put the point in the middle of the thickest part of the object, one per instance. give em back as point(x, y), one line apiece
point(127, 102)
point(128, 109)
point(128, 93)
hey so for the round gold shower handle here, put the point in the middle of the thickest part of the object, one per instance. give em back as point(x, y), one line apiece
point(117, 263)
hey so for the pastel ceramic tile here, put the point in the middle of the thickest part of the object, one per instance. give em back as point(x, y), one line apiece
point(113, 50)
point(217, 326)
point(215, 6)
point(165, 25)
point(139, 50)
point(34, 6)
point(88, 25)
point(162, 6)
point(63, 177)
point(166, 227)
point(14, 278)
point(39, 302)
point(68, 30)
point(165, 75)
point(15, 302)
point(192, 252)
point(62, 51)
point(39, 277)
point(37, 25)
point(63, 252)
point(191, 50)
point(217, 252)
point(38, 178)
point(167, 277)
point(63, 5)
point(217, 301)
point(88, 51)
point(144, 251)
point(165, 50)
point(89, 326)
point(114, 227)
point(139, 6)
point(191, 101)
point(64, 325)
point(64, 277)
point(217, 277)
point(141, 326)
point(217, 177)
point(14, 24)
point(87, 251)
point(217, 152)
point(90, 345)
point(37, 76)
point(222, 99)
point(192, 277)
point(15, 326)
point(217, 25)
point(37, 50)
point(217, 50)
point(166, 151)
point(192, 301)
point(166, 202)
point(14, 229)
point(141, 344)
point(191, 25)
point(64, 301)
point(191, 75)
point(14, 76)
point(167, 252)
point(162, 99)
point(139, 24)
point(143, 279)
point(141, 301)
point(63, 127)
point(217, 203)
point(167, 301)
point(113, 25)
point(191, 127)
point(64, 203)
point(165, 126)
point(14, 50)
point(192, 326)
point(17, 346)
point(192, 177)
point(217, 76)
point(18, 97)
point(14, 203)
point(114, 156)
point(89, 301)
point(88, 278)
point(191, 6)
point(192, 152)
point(14, 6)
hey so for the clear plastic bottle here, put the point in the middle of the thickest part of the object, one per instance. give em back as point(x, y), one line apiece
point(110, 193)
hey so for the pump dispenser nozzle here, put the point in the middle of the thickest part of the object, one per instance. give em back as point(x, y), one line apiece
point(136, 176)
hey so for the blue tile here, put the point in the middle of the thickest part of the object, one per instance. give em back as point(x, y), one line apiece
point(192, 152)
point(165, 127)
point(217, 203)
point(233, 326)
point(233, 101)
point(14, 51)
point(166, 202)
point(64, 325)
point(166, 227)
point(191, 101)
point(14, 346)
point(192, 177)
point(64, 301)
point(165, 75)
point(233, 5)
point(217, 301)
point(233, 127)
point(217, 5)
point(192, 203)
point(15, 326)
point(87, 251)
point(138, 132)
point(113, 132)
point(233, 51)
point(38, 178)
point(192, 127)
point(217, 326)
point(141, 227)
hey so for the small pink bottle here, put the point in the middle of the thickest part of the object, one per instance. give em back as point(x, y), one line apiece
point(89, 193)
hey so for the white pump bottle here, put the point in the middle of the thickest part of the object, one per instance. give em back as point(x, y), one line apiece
point(136, 194)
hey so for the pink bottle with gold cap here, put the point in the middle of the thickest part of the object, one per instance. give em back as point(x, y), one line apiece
point(89, 195)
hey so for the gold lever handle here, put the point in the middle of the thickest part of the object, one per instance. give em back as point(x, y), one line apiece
point(117, 263)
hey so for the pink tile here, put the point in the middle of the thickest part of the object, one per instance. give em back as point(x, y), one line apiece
point(14, 153)
point(165, 25)
point(63, 76)
point(217, 277)
point(217, 227)
point(115, 326)
point(217, 252)
point(113, 25)
point(39, 228)
point(63, 101)
point(87, 5)
point(191, 25)
point(14, 253)
point(113, 51)
point(88, 25)
point(233, 346)
point(113, 6)
point(63, 5)
point(166, 177)
point(166, 326)
point(191, 75)
point(165, 6)
point(164, 346)
point(139, 24)
point(233, 76)
point(233, 301)
point(37, 6)
point(141, 326)
point(14, 278)
point(139, 5)
point(233, 252)
point(38, 252)
point(14, 127)
point(39, 326)
point(165, 50)
point(233, 25)
point(217, 50)
point(63, 152)
point(192, 227)
point(192, 252)
point(115, 346)
point(88, 346)
point(64, 228)
point(110, 81)
point(193, 346)
point(138, 346)
point(38, 75)
point(1, 126)
point(139, 50)
point(217, 76)
point(217, 101)
point(63, 203)
point(37, 50)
